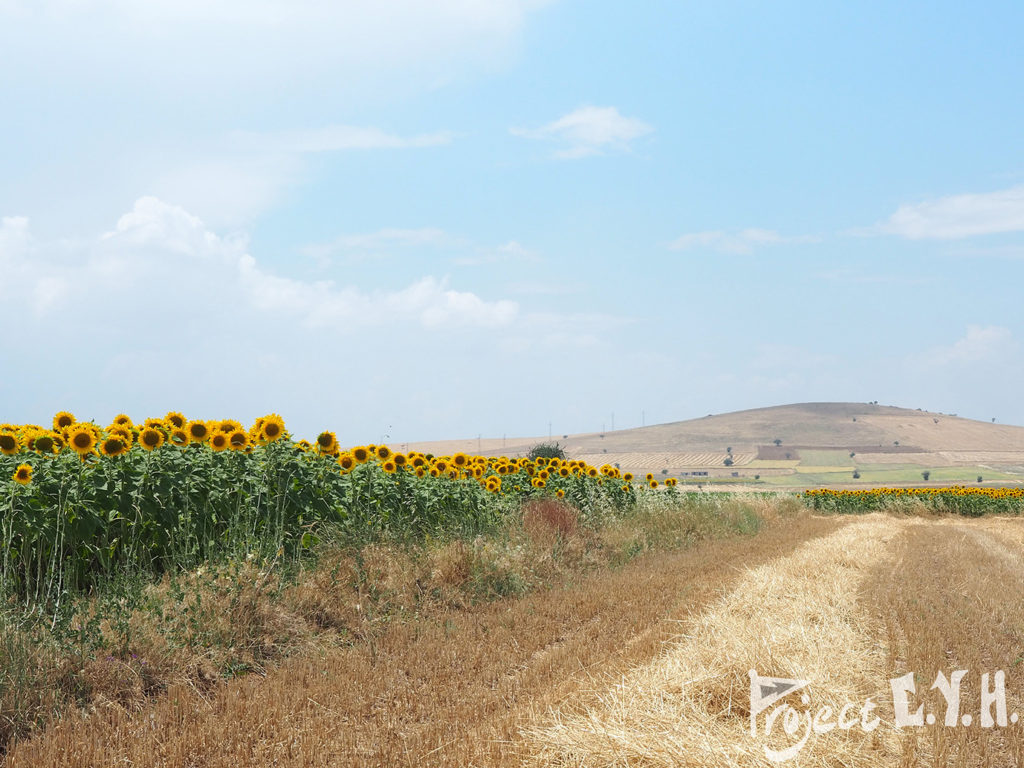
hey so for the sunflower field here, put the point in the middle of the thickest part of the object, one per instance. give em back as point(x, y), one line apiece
point(958, 500)
point(80, 502)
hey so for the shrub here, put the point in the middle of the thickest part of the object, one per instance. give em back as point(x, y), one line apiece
point(546, 451)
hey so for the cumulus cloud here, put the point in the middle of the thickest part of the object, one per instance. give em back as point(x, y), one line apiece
point(990, 343)
point(589, 131)
point(959, 216)
point(741, 242)
point(157, 244)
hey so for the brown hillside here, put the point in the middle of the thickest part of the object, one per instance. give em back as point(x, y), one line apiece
point(860, 427)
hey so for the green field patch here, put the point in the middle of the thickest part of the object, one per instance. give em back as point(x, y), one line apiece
point(772, 464)
point(804, 469)
point(890, 476)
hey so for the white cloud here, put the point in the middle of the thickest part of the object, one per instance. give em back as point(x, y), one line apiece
point(742, 242)
point(960, 216)
point(510, 252)
point(336, 138)
point(589, 131)
point(227, 42)
point(156, 245)
point(990, 343)
point(379, 243)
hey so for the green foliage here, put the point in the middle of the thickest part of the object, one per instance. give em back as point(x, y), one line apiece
point(546, 451)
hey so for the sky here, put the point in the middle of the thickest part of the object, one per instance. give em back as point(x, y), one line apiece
point(410, 220)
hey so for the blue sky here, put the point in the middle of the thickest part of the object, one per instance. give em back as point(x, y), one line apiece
point(414, 220)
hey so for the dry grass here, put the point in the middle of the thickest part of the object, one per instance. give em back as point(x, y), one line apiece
point(797, 617)
point(952, 601)
point(449, 684)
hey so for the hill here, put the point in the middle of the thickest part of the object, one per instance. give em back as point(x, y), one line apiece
point(815, 443)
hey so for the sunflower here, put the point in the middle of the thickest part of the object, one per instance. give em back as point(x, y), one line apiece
point(156, 424)
point(179, 437)
point(420, 472)
point(151, 438)
point(228, 425)
point(44, 442)
point(255, 434)
point(435, 472)
point(649, 476)
point(652, 483)
point(559, 493)
point(10, 444)
point(418, 461)
point(460, 460)
point(441, 465)
point(400, 459)
point(539, 482)
point(116, 431)
point(82, 439)
point(327, 443)
point(238, 440)
point(114, 446)
point(346, 461)
point(628, 477)
point(361, 454)
point(624, 488)
point(23, 474)
point(176, 419)
point(383, 453)
point(303, 446)
point(272, 427)
point(62, 420)
point(123, 420)
point(389, 466)
point(198, 431)
point(219, 441)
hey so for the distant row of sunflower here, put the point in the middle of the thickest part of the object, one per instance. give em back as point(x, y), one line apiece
point(90, 441)
point(956, 499)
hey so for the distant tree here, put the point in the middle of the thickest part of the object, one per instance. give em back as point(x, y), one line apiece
point(979, 478)
point(926, 474)
point(854, 418)
point(852, 454)
point(788, 454)
point(729, 449)
point(546, 451)
point(728, 462)
point(757, 477)
point(777, 442)
point(993, 419)
point(895, 442)
point(856, 475)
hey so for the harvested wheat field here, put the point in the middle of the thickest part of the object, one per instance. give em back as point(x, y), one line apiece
point(645, 665)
